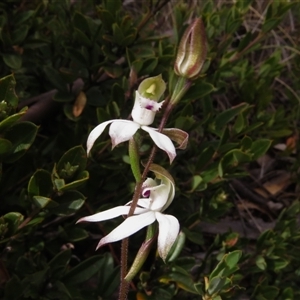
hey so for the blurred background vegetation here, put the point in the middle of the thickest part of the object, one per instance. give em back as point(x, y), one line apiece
point(67, 66)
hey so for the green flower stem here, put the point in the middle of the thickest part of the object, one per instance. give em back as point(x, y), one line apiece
point(135, 159)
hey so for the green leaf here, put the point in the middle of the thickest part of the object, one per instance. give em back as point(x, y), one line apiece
point(23, 17)
point(194, 236)
point(55, 78)
point(113, 71)
point(7, 91)
point(210, 173)
point(84, 271)
point(246, 40)
point(148, 66)
point(260, 262)
point(59, 263)
point(260, 147)
point(251, 128)
point(113, 6)
point(278, 264)
point(13, 61)
point(72, 163)
point(271, 24)
point(42, 202)
point(35, 221)
point(215, 285)
point(78, 57)
point(232, 159)
point(184, 281)
point(80, 22)
point(117, 33)
point(288, 294)
point(199, 90)
point(117, 93)
point(36, 280)
point(106, 18)
point(69, 75)
point(68, 203)
point(227, 264)
point(21, 135)
point(13, 288)
point(5, 147)
point(13, 220)
point(40, 184)
point(177, 247)
point(110, 279)
point(59, 183)
point(198, 184)
point(60, 259)
point(240, 123)
point(246, 143)
point(129, 39)
point(9, 121)
point(196, 181)
point(82, 38)
point(76, 234)
point(205, 157)
point(233, 21)
point(269, 292)
point(232, 258)
point(19, 35)
point(226, 116)
point(80, 179)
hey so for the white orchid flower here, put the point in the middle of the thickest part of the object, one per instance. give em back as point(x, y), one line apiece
point(143, 113)
point(157, 197)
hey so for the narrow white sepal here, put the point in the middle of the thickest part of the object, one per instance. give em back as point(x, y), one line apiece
point(122, 130)
point(130, 226)
point(109, 214)
point(168, 231)
point(162, 142)
point(95, 133)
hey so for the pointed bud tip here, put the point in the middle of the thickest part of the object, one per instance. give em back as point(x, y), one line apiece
point(100, 244)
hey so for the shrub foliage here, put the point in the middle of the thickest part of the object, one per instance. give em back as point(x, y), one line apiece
point(70, 65)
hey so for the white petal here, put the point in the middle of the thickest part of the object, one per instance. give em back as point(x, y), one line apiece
point(109, 214)
point(168, 232)
point(171, 189)
point(162, 142)
point(95, 133)
point(166, 178)
point(159, 196)
point(130, 226)
point(122, 130)
point(144, 202)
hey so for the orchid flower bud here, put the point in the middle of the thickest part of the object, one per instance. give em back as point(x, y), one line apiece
point(145, 106)
point(192, 51)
